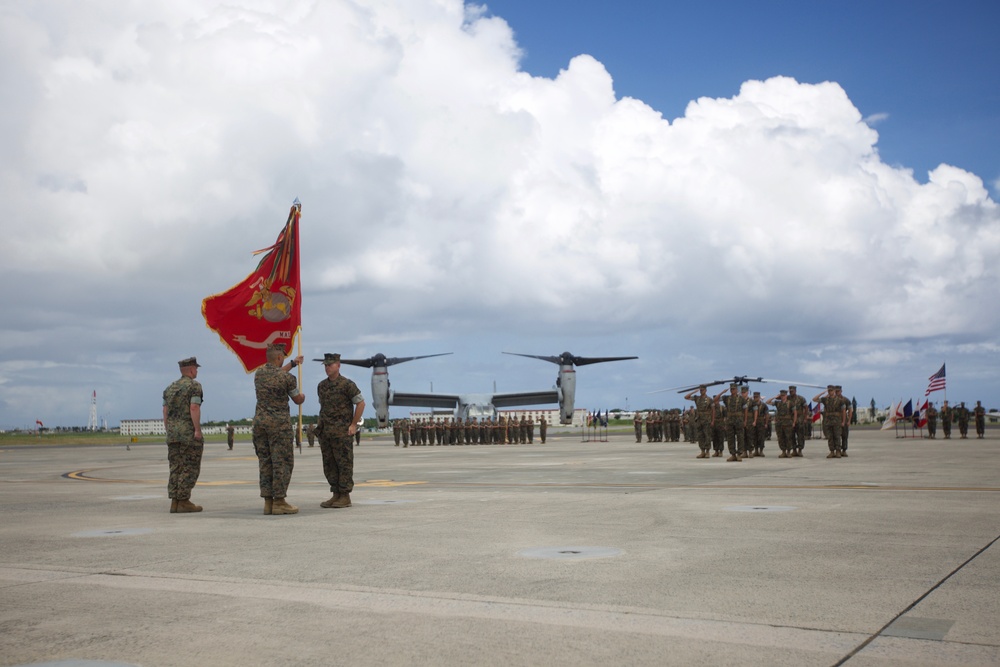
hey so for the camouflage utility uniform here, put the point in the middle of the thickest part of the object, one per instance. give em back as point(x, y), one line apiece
point(337, 399)
point(704, 415)
point(183, 450)
point(272, 429)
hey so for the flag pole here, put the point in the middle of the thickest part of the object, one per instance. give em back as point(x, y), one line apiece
point(299, 436)
point(298, 268)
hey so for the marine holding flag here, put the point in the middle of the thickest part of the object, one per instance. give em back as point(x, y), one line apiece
point(266, 307)
point(256, 319)
point(272, 428)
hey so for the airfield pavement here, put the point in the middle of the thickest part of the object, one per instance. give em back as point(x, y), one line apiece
point(568, 553)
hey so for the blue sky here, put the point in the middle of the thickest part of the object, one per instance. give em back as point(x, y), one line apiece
point(931, 66)
point(801, 191)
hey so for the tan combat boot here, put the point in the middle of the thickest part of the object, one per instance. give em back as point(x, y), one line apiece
point(281, 506)
point(783, 455)
point(185, 506)
point(327, 504)
point(843, 452)
point(173, 506)
point(268, 503)
point(732, 459)
point(830, 455)
point(343, 500)
point(760, 452)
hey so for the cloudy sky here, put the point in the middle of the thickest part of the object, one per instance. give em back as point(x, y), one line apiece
point(791, 192)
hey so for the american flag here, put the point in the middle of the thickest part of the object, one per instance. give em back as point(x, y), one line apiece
point(937, 382)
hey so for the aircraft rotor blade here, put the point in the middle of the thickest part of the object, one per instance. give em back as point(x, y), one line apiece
point(382, 360)
point(567, 358)
point(583, 361)
point(551, 360)
point(399, 360)
point(793, 382)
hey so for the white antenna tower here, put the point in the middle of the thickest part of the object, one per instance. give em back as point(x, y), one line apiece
point(92, 423)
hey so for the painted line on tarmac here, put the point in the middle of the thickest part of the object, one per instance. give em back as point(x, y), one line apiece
point(85, 476)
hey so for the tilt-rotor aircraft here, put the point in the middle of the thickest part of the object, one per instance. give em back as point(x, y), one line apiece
point(738, 379)
point(477, 406)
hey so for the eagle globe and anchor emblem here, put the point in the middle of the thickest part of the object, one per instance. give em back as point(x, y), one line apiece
point(268, 305)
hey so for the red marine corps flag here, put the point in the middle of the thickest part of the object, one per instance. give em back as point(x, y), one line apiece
point(266, 307)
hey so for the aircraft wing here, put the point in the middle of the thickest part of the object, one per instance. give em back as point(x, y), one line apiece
point(413, 400)
point(525, 398)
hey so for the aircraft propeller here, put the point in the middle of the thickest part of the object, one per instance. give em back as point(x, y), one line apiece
point(568, 359)
point(381, 361)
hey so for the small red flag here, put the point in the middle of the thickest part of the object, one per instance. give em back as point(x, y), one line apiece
point(267, 306)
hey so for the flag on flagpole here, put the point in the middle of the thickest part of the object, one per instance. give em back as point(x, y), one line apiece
point(937, 382)
point(816, 413)
point(266, 307)
point(922, 412)
point(892, 416)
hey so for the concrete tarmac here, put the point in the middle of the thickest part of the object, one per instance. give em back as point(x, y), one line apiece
point(568, 553)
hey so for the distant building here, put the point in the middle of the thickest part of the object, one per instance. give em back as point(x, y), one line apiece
point(143, 427)
point(155, 427)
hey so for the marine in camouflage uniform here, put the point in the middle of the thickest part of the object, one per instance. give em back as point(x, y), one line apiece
point(185, 444)
point(736, 421)
point(848, 415)
point(719, 430)
point(543, 427)
point(230, 435)
point(980, 414)
point(962, 416)
point(272, 428)
point(756, 426)
point(340, 408)
point(932, 417)
point(802, 421)
point(703, 418)
point(749, 450)
point(946, 416)
point(833, 419)
point(784, 417)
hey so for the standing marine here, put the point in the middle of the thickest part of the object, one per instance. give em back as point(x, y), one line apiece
point(980, 414)
point(340, 409)
point(932, 417)
point(736, 421)
point(783, 423)
point(185, 444)
point(274, 385)
point(962, 416)
point(703, 418)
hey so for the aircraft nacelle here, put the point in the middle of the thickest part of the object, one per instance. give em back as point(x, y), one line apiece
point(380, 396)
point(567, 393)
